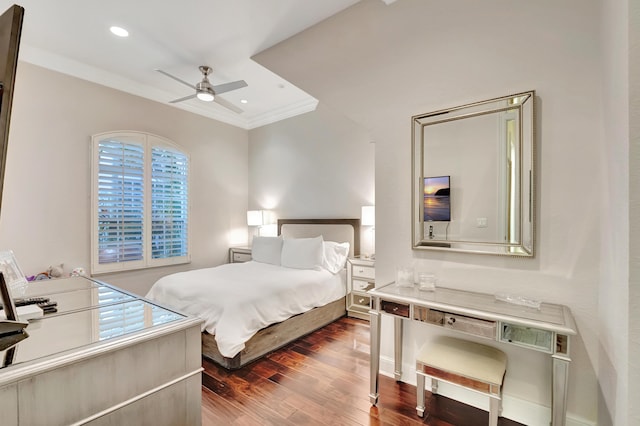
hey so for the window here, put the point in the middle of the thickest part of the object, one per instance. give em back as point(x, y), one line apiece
point(140, 202)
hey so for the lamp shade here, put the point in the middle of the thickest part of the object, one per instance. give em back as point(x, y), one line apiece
point(268, 217)
point(260, 217)
point(368, 216)
point(254, 217)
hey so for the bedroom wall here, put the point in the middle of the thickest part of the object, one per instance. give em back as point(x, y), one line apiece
point(436, 54)
point(316, 165)
point(634, 213)
point(46, 202)
point(613, 292)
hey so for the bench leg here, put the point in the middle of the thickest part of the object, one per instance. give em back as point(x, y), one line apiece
point(494, 408)
point(420, 395)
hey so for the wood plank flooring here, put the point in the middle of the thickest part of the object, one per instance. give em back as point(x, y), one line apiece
point(322, 379)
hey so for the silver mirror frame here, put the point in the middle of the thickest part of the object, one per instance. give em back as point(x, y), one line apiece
point(522, 246)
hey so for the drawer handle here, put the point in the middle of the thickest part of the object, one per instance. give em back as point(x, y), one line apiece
point(395, 309)
point(361, 300)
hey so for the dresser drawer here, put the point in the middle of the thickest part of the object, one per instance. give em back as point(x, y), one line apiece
point(241, 257)
point(360, 300)
point(475, 326)
point(533, 338)
point(363, 271)
point(431, 316)
point(360, 285)
point(399, 309)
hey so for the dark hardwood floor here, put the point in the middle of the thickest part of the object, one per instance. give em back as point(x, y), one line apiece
point(322, 379)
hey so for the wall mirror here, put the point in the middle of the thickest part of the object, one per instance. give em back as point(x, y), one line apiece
point(474, 177)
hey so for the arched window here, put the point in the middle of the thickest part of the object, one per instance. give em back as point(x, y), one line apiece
point(140, 202)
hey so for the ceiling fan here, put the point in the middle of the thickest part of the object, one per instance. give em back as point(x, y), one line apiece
point(207, 92)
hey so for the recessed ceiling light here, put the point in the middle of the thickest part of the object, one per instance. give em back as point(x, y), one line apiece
point(243, 101)
point(119, 31)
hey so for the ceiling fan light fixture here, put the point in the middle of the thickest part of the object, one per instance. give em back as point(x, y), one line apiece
point(206, 92)
point(119, 31)
point(205, 96)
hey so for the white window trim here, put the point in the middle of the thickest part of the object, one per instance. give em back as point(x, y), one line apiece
point(149, 141)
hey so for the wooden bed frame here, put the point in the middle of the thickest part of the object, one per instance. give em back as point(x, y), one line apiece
point(278, 335)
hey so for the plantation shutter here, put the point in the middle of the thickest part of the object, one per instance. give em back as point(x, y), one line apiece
point(120, 206)
point(139, 202)
point(169, 203)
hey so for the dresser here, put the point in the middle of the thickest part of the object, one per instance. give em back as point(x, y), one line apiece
point(361, 277)
point(106, 357)
point(239, 254)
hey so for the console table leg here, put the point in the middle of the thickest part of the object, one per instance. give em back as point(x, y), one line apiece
point(559, 390)
point(374, 358)
point(397, 348)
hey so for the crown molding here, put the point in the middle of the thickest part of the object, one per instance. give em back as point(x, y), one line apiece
point(86, 72)
point(283, 113)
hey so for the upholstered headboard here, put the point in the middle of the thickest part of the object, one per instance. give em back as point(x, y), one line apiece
point(339, 230)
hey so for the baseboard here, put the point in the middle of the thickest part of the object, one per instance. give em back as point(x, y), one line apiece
point(515, 409)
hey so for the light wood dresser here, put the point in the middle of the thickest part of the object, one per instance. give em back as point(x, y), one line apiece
point(107, 357)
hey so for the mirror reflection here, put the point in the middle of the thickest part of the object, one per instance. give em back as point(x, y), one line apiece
point(473, 177)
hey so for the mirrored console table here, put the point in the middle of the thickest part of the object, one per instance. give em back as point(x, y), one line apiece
point(105, 357)
point(547, 329)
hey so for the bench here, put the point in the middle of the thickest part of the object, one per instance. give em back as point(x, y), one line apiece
point(477, 367)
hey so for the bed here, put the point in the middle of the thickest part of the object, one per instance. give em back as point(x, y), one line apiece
point(232, 341)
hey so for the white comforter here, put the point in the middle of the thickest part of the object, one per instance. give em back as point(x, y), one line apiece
point(236, 300)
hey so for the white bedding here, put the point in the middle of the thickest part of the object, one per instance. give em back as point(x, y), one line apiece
point(236, 300)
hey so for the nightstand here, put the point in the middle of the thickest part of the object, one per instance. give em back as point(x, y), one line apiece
point(239, 254)
point(361, 277)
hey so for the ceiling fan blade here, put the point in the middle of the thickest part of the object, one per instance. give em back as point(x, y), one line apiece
point(227, 87)
point(176, 79)
point(183, 99)
point(227, 105)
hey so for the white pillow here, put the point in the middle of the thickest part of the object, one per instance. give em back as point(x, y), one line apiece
point(267, 249)
point(335, 256)
point(302, 253)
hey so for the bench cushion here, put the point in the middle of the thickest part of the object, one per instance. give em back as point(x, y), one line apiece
point(469, 359)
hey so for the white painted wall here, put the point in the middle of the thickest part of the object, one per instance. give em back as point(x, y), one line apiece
point(46, 202)
point(613, 291)
point(634, 213)
point(316, 165)
point(380, 65)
